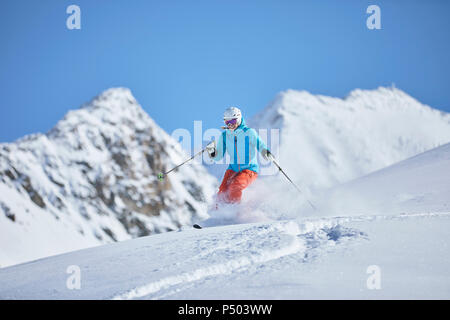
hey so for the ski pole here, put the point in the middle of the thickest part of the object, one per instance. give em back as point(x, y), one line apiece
point(162, 174)
point(298, 189)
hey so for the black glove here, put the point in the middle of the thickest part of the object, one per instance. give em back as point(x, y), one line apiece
point(211, 149)
point(267, 155)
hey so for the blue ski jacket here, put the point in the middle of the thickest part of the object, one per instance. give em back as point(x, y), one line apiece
point(242, 145)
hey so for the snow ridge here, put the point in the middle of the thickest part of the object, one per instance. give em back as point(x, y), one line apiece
point(92, 179)
point(325, 141)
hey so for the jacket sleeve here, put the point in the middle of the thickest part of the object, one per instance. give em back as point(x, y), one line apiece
point(257, 141)
point(220, 148)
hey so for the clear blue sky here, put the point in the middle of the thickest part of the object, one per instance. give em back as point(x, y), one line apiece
point(188, 60)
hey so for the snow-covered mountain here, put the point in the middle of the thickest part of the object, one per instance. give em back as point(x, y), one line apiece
point(325, 141)
point(375, 255)
point(93, 179)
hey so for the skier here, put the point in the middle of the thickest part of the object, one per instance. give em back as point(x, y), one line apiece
point(242, 144)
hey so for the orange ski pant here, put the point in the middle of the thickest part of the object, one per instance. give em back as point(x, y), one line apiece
point(233, 183)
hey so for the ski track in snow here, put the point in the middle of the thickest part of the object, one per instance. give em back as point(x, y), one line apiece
point(252, 254)
point(239, 250)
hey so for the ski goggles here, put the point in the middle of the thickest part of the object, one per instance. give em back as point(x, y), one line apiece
point(231, 121)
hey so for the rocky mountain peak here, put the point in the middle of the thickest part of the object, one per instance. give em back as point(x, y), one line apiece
point(95, 175)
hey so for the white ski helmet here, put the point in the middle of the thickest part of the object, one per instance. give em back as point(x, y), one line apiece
point(232, 113)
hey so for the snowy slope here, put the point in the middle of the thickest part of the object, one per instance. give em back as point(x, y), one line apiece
point(93, 179)
point(321, 257)
point(326, 141)
point(417, 185)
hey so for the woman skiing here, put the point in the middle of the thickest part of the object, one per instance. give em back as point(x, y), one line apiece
point(242, 144)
